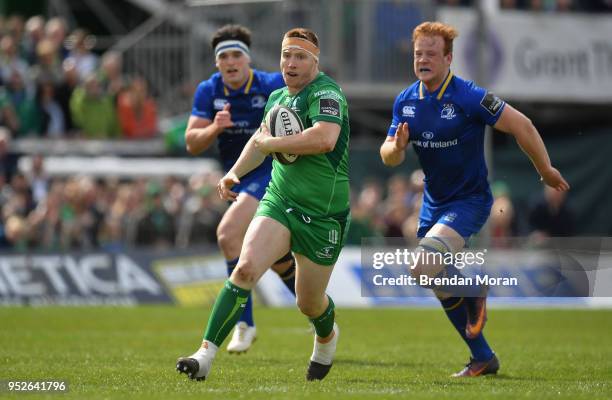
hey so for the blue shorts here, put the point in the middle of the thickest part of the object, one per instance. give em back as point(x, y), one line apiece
point(466, 216)
point(254, 183)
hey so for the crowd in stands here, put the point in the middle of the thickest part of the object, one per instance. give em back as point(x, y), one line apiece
point(542, 5)
point(53, 85)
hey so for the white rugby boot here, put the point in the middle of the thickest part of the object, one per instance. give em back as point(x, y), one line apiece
point(197, 366)
point(242, 338)
point(322, 357)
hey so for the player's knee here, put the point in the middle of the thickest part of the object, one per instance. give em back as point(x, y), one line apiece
point(227, 239)
point(245, 273)
point(431, 259)
point(308, 307)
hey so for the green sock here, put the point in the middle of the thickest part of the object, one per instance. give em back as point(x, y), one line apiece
point(227, 310)
point(324, 323)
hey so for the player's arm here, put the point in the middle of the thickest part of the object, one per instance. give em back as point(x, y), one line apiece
point(318, 139)
point(202, 132)
point(393, 149)
point(250, 158)
point(518, 125)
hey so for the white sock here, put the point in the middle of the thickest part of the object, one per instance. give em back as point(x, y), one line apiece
point(323, 353)
point(208, 348)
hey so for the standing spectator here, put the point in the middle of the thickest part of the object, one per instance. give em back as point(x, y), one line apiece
point(111, 73)
point(80, 44)
point(64, 91)
point(157, 226)
point(53, 121)
point(93, 111)
point(137, 111)
point(551, 215)
point(34, 33)
point(10, 60)
point(8, 117)
point(56, 30)
point(30, 121)
point(38, 179)
point(8, 160)
point(48, 66)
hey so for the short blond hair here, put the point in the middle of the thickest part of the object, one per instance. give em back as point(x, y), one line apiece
point(447, 32)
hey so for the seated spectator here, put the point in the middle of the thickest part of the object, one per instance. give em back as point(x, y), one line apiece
point(8, 160)
point(80, 44)
point(137, 111)
point(551, 215)
point(502, 220)
point(156, 228)
point(93, 111)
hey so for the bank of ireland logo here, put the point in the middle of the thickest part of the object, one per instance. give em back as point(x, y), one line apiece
point(258, 102)
point(448, 112)
point(408, 111)
point(325, 252)
point(218, 104)
point(427, 135)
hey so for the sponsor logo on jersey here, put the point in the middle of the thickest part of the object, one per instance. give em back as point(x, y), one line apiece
point(325, 252)
point(428, 135)
point(333, 236)
point(329, 107)
point(408, 111)
point(427, 143)
point(218, 104)
point(258, 102)
point(448, 112)
point(450, 217)
point(491, 103)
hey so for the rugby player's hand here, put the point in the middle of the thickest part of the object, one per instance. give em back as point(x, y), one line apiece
point(260, 139)
point(223, 119)
point(553, 178)
point(225, 185)
point(401, 136)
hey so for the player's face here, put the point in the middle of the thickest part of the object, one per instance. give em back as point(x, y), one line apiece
point(431, 65)
point(298, 68)
point(234, 68)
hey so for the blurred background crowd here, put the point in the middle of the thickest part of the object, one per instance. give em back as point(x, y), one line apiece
point(58, 83)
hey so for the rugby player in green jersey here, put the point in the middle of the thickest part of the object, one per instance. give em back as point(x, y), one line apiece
point(305, 208)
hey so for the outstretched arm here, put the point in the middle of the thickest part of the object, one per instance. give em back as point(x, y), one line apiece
point(393, 149)
point(518, 125)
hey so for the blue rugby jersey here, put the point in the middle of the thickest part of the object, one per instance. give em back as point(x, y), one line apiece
point(247, 108)
point(447, 133)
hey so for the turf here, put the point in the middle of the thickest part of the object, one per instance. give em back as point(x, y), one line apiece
point(383, 353)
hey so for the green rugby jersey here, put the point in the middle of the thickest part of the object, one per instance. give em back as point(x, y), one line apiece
point(317, 184)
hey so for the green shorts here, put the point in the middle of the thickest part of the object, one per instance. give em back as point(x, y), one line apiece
point(320, 239)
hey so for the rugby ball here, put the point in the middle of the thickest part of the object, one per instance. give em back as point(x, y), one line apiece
point(283, 121)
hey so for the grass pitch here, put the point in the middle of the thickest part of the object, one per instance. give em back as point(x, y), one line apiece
point(383, 354)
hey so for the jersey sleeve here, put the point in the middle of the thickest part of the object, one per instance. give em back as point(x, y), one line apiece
point(483, 105)
point(203, 101)
point(327, 104)
point(395, 118)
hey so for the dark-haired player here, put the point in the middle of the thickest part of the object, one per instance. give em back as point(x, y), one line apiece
point(227, 109)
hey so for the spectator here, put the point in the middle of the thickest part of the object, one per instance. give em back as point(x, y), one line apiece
point(64, 91)
point(502, 221)
point(8, 160)
point(29, 119)
point(48, 66)
point(156, 228)
point(34, 33)
point(8, 117)
point(551, 216)
point(55, 31)
point(137, 111)
point(53, 121)
point(38, 179)
point(111, 73)
point(80, 44)
point(93, 111)
point(10, 59)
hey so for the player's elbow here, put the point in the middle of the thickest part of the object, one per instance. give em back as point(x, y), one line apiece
point(190, 145)
point(327, 145)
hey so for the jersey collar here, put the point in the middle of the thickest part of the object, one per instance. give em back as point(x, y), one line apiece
point(442, 89)
point(245, 89)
